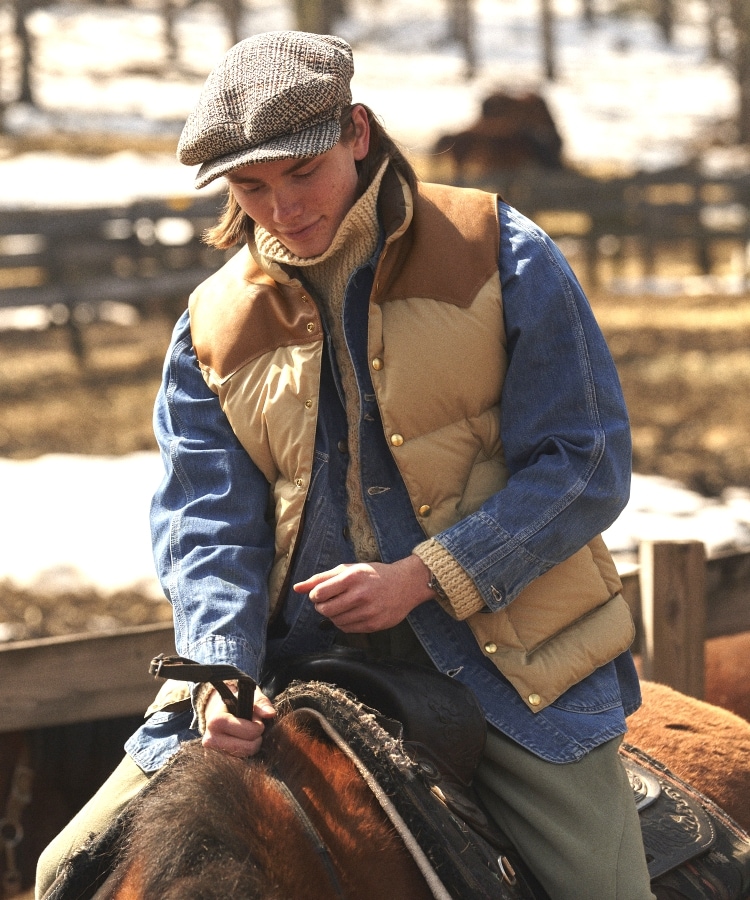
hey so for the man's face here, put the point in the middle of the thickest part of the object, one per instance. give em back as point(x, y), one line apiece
point(302, 202)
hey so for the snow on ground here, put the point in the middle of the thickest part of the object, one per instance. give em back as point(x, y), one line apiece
point(82, 520)
point(622, 101)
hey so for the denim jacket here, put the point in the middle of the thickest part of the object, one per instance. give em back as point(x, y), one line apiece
point(214, 544)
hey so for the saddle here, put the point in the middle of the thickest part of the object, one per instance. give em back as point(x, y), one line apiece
point(416, 737)
point(693, 849)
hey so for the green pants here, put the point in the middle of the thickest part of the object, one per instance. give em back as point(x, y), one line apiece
point(575, 824)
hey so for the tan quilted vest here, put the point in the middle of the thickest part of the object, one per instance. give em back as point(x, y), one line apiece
point(436, 348)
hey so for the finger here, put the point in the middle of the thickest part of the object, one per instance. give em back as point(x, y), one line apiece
point(262, 707)
point(304, 587)
point(231, 745)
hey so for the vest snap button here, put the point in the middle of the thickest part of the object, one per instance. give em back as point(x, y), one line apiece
point(397, 440)
point(535, 699)
point(299, 482)
point(425, 510)
point(490, 647)
point(311, 327)
point(308, 404)
point(377, 364)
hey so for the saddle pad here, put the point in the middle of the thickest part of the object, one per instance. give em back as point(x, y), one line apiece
point(693, 847)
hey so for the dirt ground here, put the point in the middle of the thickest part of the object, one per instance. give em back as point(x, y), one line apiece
point(684, 363)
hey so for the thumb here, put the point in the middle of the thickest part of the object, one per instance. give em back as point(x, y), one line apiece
point(262, 705)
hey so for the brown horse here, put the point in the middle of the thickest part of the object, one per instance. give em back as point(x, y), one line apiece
point(512, 132)
point(705, 745)
point(318, 834)
point(302, 822)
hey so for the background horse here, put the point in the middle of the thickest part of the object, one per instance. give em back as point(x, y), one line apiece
point(512, 132)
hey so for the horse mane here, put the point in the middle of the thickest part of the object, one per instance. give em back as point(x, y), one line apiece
point(219, 827)
point(197, 824)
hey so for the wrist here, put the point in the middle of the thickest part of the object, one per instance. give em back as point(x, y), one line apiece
point(434, 585)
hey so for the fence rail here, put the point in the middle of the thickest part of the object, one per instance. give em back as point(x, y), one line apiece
point(677, 597)
point(70, 261)
point(637, 216)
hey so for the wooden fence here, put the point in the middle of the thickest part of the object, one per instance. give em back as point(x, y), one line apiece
point(70, 261)
point(637, 218)
point(678, 599)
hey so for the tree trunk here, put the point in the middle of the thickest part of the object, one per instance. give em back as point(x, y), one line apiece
point(232, 11)
point(318, 16)
point(169, 16)
point(740, 12)
point(713, 15)
point(21, 9)
point(461, 29)
point(665, 19)
point(548, 40)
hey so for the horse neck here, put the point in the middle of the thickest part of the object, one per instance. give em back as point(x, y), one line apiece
point(362, 842)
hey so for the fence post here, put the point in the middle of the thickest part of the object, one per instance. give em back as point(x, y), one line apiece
point(673, 607)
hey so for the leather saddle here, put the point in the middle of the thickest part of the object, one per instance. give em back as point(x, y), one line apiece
point(689, 842)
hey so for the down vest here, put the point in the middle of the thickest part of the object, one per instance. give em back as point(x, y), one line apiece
point(259, 339)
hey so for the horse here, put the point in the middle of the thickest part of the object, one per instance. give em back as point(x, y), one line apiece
point(334, 807)
point(512, 132)
point(727, 668)
point(703, 744)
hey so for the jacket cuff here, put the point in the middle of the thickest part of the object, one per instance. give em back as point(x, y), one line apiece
point(463, 598)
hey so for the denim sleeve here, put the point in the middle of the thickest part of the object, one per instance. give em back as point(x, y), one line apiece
point(213, 544)
point(564, 425)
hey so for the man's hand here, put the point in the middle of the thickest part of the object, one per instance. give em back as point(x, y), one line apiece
point(367, 597)
point(238, 737)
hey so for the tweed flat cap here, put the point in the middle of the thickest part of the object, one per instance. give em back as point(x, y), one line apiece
point(277, 95)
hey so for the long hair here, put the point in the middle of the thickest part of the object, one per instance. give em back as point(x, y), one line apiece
point(236, 227)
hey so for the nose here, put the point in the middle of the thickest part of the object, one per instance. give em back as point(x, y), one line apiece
point(286, 205)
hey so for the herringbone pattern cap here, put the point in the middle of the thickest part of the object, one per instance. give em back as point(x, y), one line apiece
point(277, 95)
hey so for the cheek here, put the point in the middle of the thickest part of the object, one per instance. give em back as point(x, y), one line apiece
point(246, 203)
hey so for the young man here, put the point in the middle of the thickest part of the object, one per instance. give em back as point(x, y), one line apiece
point(391, 420)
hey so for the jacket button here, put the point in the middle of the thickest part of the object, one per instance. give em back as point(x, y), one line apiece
point(299, 482)
point(311, 327)
point(534, 699)
point(490, 647)
point(308, 404)
point(397, 440)
point(343, 447)
point(377, 364)
point(425, 510)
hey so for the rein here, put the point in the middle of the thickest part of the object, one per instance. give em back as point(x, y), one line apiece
point(312, 833)
point(11, 829)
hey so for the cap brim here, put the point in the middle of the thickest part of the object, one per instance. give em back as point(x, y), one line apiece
point(310, 142)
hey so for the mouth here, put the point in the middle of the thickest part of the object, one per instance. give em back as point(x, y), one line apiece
point(298, 234)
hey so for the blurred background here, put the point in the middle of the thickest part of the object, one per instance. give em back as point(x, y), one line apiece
point(621, 126)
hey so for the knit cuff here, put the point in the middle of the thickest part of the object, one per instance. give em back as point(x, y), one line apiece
point(463, 597)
